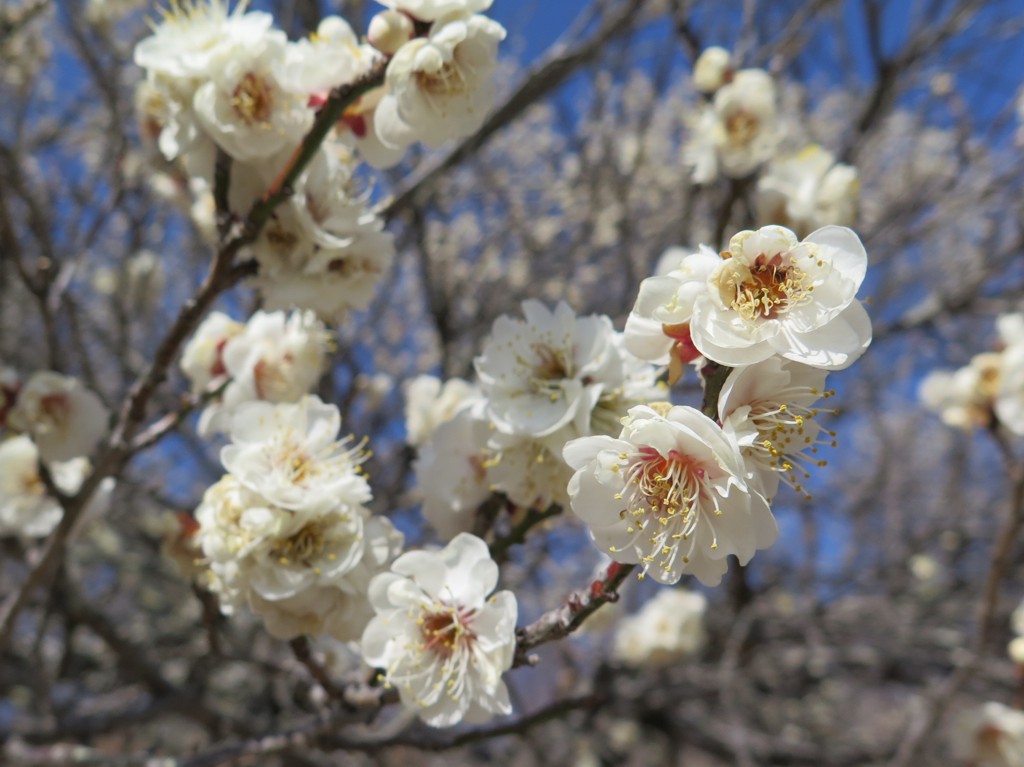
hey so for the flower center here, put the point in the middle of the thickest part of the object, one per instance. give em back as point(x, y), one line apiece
point(253, 99)
point(446, 631)
point(296, 464)
point(55, 409)
point(274, 379)
point(769, 287)
point(741, 127)
point(789, 438)
point(447, 81)
point(551, 364)
point(303, 547)
point(667, 490)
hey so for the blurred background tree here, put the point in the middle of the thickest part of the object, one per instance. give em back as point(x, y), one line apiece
point(875, 624)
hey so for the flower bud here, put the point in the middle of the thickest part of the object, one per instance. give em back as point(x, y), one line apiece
point(1016, 650)
point(389, 31)
point(712, 69)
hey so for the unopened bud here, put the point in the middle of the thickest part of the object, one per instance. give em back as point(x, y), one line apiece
point(390, 30)
point(712, 69)
point(1016, 651)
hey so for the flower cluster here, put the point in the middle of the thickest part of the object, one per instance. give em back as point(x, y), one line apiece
point(55, 423)
point(986, 391)
point(226, 80)
point(543, 380)
point(738, 129)
point(286, 531)
point(273, 357)
point(678, 492)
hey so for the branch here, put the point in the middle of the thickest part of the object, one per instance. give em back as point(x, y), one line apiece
point(714, 376)
point(304, 654)
point(517, 535)
point(563, 620)
point(426, 742)
point(920, 730)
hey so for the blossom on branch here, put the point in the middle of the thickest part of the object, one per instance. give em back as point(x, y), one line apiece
point(557, 376)
point(439, 86)
point(442, 641)
point(429, 403)
point(770, 409)
point(670, 493)
point(773, 294)
point(26, 508)
point(322, 250)
point(738, 131)
point(64, 418)
point(658, 327)
point(989, 389)
point(808, 190)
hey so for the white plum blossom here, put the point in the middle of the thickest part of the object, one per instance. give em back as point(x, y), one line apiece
point(244, 106)
point(808, 190)
point(738, 131)
point(964, 398)
point(322, 250)
point(195, 36)
point(990, 386)
point(439, 87)
point(770, 408)
point(773, 294)
point(442, 641)
point(527, 471)
point(357, 128)
point(290, 456)
point(668, 628)
point(429, 403)
point(431, 10)
point(991, 735)
point(451, 472)
point(658, 327)
point(202, 360)
point(26, 508)
point(331, 56)
point(670, 493)
point(555, 375)
point(64, 418)
point(276, 358)
point(712, 69)
point(194, 42)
